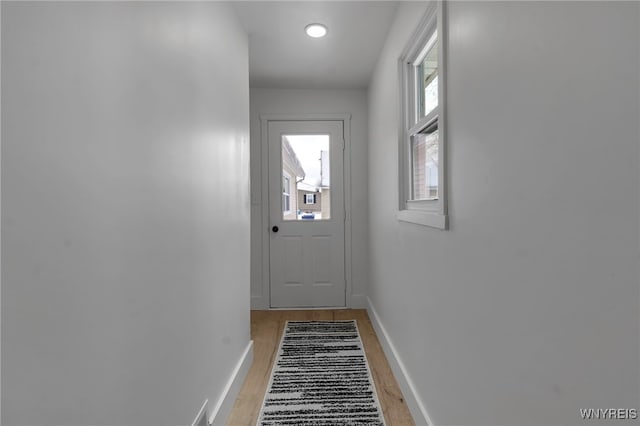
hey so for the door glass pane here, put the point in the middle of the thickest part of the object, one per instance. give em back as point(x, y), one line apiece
point(424, 153)
point(305, 166)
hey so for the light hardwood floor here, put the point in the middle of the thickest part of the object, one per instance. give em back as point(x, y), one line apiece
point(266, 331)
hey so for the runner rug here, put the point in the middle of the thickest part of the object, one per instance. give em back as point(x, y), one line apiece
point(321, 377)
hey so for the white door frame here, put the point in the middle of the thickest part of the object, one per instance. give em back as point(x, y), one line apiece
point(264, 207)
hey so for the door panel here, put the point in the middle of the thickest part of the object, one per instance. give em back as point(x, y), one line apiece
point(292, 250)
point(321, 255)
point(306, 206)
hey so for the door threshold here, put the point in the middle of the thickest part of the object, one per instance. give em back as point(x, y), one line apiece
point(306, 308)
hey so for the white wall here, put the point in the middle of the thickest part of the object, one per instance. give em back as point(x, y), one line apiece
point(125, 210)
point(528, 308)
point(300, 101)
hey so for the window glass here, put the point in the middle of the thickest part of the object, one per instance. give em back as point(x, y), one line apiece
point(424, 153)
point(286, 194)
point(428, 80)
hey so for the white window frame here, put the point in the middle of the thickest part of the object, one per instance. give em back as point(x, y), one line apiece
point(286, 175)
point(313, 199)
point(431, 213)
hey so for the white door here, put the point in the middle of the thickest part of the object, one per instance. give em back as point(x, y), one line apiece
point(306, 213)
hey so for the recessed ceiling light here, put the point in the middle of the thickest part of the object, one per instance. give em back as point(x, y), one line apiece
point(315, 30)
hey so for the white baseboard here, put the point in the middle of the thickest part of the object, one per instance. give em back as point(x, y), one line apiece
point(359, 301)
point(419, 413)
point(223, 407)
point(202, 414)
point(259, 303)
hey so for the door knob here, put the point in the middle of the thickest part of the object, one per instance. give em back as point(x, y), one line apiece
point(275, 229)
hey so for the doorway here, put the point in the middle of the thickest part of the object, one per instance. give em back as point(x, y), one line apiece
point(306, 213)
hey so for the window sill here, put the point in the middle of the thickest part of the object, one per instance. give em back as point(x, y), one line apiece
point(424, 218)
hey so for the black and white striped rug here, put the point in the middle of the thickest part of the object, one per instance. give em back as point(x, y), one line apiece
point(321, 377)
